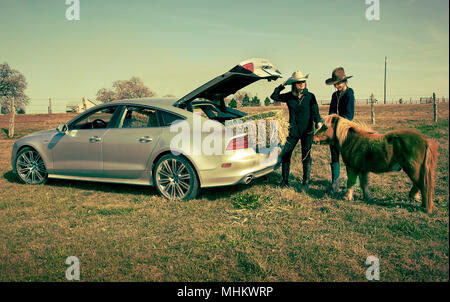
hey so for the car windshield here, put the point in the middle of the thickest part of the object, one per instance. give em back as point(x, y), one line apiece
point(94, 120)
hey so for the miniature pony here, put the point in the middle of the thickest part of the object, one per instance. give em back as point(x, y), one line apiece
point(364, 150)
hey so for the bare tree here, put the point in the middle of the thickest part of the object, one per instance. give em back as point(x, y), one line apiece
point(106, 95)
point(12, 95)
point(124, 89)
point(12, 84)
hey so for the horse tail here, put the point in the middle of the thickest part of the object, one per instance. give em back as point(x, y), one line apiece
point(429, 165)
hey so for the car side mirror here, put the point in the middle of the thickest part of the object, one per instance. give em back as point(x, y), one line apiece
point(62, 128)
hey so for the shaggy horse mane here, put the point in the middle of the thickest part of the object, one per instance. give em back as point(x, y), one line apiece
point(344, 125)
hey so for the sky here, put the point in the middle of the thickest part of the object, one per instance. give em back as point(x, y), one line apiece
point(175, 46)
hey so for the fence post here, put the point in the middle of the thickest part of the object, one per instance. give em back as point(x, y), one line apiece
point(11, 119)
point(49, 106)
point(372, 114)
point(434, 107)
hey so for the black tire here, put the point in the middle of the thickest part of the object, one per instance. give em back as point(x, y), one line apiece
point(30, 167)
point(174, 177)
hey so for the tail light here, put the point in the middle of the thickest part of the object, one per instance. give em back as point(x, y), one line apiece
point(238, 143)
point(249, 66)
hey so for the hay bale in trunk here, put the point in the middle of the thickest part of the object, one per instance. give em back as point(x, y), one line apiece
point(263, 129)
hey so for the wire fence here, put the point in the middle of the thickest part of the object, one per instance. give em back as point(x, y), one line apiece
point(63, 105)
point(420, 100)
point(56, 105)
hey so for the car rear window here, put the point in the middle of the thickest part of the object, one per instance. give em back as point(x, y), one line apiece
point(168, 119)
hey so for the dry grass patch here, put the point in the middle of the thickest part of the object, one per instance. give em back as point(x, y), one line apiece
point(238, 233)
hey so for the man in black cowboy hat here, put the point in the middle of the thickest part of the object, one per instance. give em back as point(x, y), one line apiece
point(303, 113)
point(343, 104)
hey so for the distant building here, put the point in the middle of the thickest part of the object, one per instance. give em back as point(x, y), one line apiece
point(79, 106)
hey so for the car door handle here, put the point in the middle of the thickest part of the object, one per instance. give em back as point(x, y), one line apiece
point(145, 139)
point(94, 139)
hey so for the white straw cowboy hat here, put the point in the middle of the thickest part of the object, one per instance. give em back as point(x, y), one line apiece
point(337, 76)
point(296, 77)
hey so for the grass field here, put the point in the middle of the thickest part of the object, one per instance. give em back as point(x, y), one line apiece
point(257, 232)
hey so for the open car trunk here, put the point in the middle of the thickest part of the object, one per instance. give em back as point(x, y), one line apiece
point(210, 97)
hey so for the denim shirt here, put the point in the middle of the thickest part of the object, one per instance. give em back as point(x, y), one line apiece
point(343, 104)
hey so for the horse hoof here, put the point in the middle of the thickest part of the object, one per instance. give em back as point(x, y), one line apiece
point(415, 197)
point(349, 198)
point(333, 190)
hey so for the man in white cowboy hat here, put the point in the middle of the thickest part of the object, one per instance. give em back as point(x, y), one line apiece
point(303, 113)
point(343, 104)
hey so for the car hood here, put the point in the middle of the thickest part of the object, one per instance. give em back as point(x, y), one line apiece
point(41, 133)
point(238, 77)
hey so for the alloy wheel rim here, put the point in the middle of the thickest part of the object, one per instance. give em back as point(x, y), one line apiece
point(31, 167)
point(173, 179)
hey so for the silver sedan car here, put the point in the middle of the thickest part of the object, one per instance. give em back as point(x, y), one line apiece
point(134, 141)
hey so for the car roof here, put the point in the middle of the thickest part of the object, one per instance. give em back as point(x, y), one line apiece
point(161, 103)
point(158, 102)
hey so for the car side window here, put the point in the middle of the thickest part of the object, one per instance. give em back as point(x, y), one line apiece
point(168, 119)
point(139, 117)
point(96, 120)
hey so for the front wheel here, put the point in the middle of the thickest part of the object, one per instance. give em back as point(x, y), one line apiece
point(30, 167)
point(175, 178)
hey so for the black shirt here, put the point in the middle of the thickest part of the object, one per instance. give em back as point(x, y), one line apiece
point(303, 111)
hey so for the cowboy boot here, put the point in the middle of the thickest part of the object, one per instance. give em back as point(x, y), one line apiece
point(335, 171)
point(306, 174)
point(285, 167)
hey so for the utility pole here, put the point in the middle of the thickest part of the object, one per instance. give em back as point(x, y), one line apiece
point(434, 108)
point(385, 61)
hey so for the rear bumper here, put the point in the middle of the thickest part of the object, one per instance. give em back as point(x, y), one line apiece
point(241, 169)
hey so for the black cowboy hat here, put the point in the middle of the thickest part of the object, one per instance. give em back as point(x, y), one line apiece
point(337, 76)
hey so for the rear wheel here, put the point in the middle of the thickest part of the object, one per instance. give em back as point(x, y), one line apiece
point(30, 167)
point(175, 178)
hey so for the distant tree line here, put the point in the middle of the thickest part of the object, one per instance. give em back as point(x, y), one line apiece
point(244, 99)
